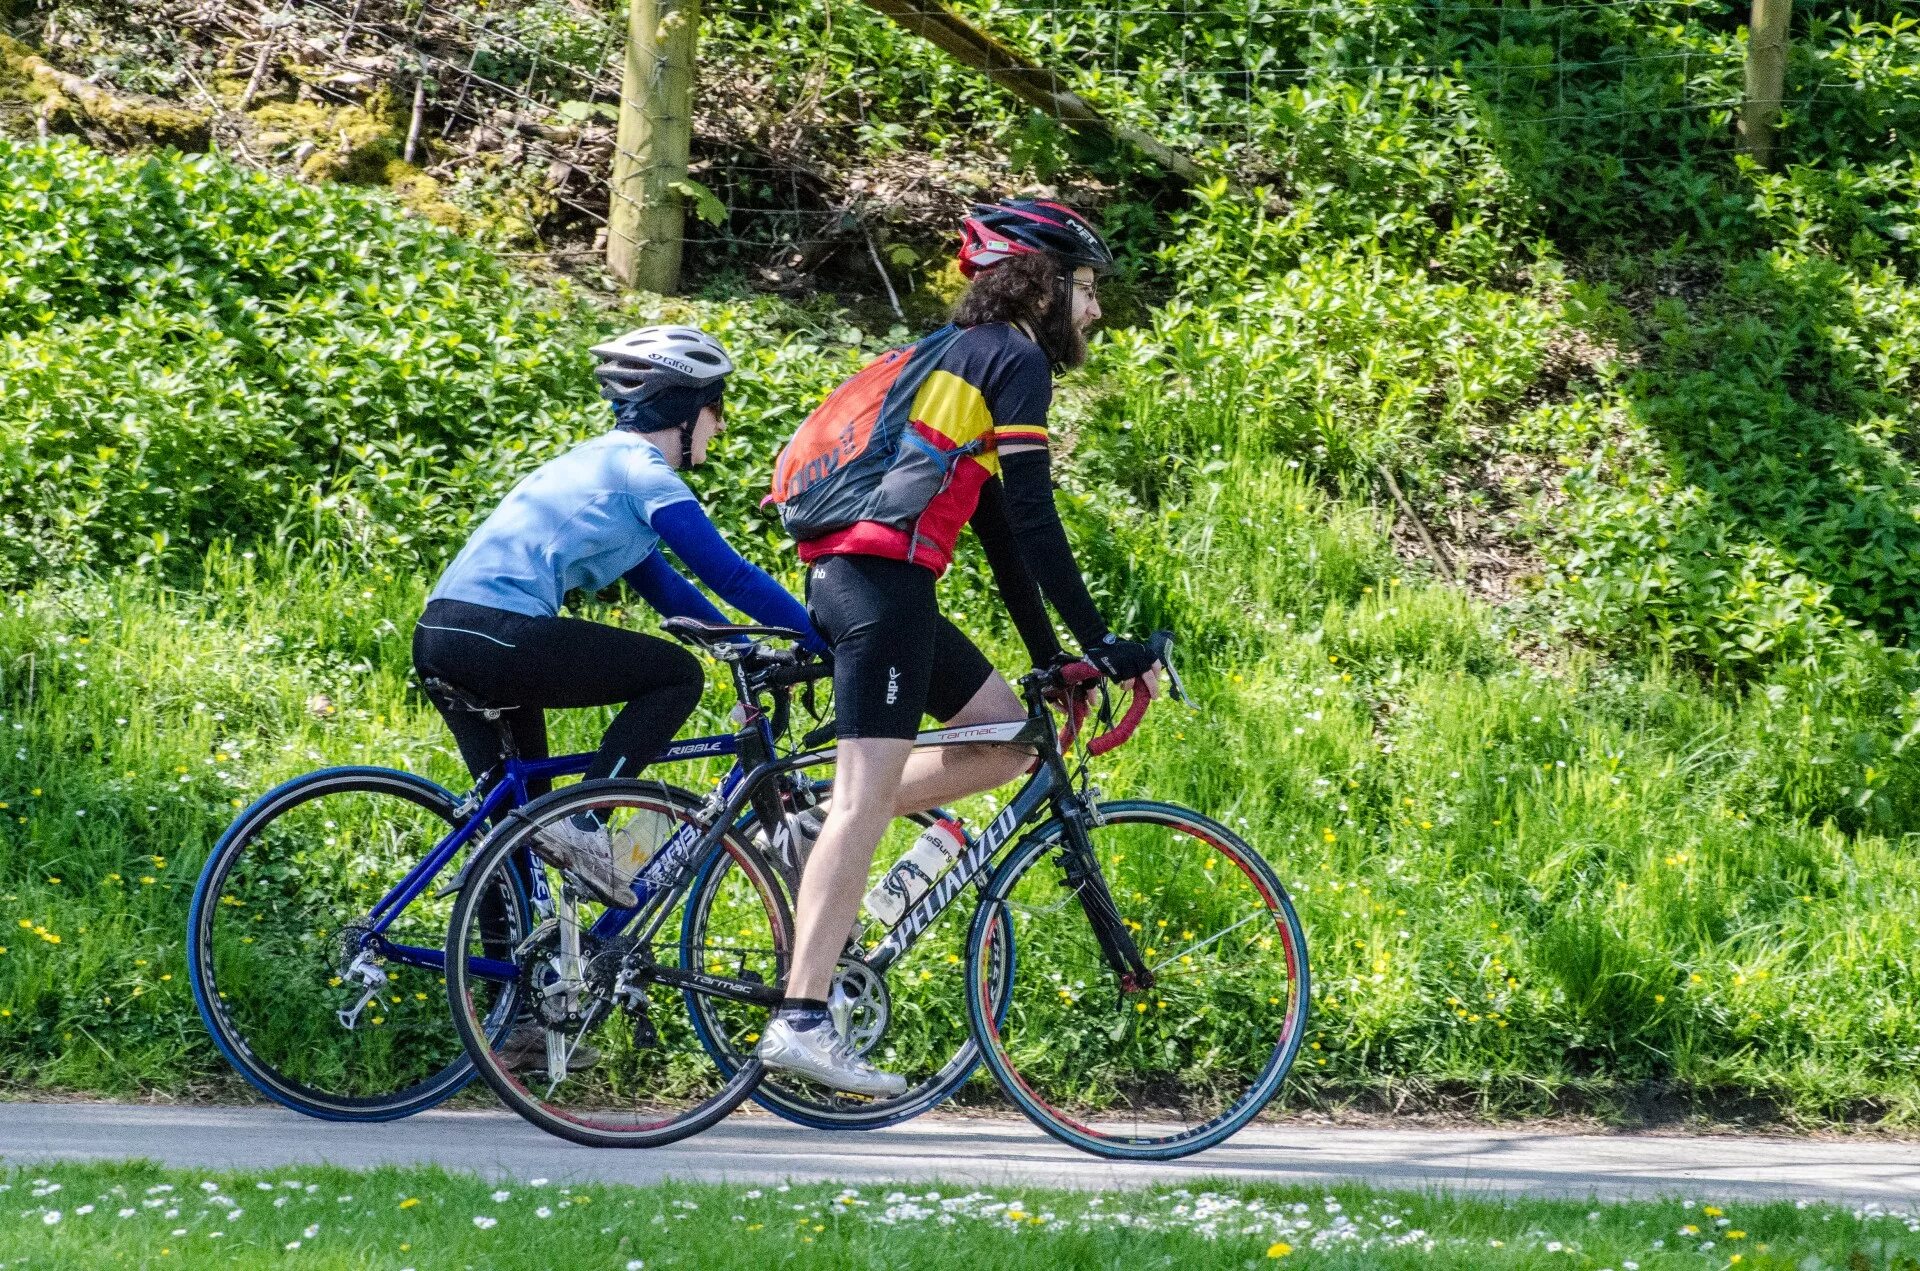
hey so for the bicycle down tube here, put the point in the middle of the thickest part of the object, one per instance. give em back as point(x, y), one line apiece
point(510, 790)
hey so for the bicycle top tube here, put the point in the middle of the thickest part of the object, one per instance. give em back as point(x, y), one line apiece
point(511, 791)
point(569, 765)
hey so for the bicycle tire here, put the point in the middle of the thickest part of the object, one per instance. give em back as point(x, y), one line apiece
point(600, 1120)
point(1046, 1015)
point(806, 1103)
point(249, 1021)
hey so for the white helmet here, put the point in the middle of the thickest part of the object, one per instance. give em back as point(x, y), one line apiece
point(682, 357)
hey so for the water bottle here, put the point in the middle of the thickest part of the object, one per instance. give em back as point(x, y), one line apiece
point(635, 843)
point(938, 846)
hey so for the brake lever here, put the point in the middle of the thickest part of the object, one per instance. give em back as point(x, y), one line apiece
point(1161, 643)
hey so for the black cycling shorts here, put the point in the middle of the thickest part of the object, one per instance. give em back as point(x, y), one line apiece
point(895, 657)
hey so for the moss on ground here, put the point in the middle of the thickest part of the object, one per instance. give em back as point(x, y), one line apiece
point(70, 102)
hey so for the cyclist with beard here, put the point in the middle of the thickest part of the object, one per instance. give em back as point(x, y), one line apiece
point(963, 415)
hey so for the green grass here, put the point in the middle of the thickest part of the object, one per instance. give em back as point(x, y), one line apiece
point(142, 1215)
point(1532, 888)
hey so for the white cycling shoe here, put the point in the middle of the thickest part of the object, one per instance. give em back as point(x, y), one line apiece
point(587, 856)
point(819, 1054)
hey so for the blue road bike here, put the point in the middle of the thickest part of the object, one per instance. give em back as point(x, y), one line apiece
point(317, 931)
point(318, 927)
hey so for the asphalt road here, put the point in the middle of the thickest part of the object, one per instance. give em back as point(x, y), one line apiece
point(757, 1149)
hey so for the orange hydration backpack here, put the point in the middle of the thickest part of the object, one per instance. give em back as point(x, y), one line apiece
point(858, 458)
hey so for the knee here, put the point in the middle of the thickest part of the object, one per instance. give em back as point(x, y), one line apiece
point(686, 682)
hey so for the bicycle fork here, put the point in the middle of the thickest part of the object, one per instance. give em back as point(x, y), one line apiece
point(1081, 866)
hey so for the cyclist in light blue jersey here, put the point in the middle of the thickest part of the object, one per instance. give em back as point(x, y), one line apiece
point(600, 512)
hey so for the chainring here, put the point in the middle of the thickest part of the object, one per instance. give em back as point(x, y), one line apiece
point(868, 1006)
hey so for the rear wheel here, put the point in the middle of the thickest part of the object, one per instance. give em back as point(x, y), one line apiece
point(1152, 1072)
point(911, 1020)
point(607, 1056)
point(281, 947)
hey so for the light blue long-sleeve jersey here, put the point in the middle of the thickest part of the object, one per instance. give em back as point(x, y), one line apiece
point(579, 520)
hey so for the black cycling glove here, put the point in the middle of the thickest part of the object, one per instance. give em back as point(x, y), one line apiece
point(1122, 659)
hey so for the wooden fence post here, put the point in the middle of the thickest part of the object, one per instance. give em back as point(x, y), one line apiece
point(646, 217)
point(1766, 77)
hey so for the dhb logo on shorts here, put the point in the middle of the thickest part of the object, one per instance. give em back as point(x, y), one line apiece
point(893, 685)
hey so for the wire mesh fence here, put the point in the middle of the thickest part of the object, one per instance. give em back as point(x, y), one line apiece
point(814, 121)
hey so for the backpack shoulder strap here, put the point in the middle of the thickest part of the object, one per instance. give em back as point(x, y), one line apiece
point(926, 355)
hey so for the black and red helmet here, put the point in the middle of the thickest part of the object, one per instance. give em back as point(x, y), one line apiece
point(1018, 227)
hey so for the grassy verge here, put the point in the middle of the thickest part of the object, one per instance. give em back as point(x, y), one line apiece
point(1535, 889)
point(1642, 829)
point(138, 1214)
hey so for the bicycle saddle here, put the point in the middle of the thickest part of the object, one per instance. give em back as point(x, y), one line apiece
point(708, 634)
point(455, 696)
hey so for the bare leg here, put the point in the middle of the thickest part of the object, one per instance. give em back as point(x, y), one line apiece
point(880, 773)
point(864, 782)
point(934, 777)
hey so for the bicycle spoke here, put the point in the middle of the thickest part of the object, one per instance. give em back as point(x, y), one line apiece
point(1213, 939)
point(910, 1021)
point(313, 1002)
point(605, 1053)
point(1181, 1058)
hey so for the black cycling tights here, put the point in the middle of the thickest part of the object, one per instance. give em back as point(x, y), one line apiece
point(510, 659)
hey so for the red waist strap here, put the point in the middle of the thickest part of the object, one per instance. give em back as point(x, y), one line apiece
point(870, 538)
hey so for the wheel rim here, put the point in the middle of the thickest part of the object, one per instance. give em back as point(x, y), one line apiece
point(271, 934)
point(1220, 1026)
point(642, 1089)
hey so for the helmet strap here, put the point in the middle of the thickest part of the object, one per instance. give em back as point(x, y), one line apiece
point(686, 440)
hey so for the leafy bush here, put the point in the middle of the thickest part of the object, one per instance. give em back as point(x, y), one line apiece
point(195, 351)
point(1585, 873)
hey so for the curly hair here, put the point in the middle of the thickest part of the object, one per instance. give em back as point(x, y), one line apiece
point(1031, 291)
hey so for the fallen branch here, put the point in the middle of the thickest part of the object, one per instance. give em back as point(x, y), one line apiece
point(140, 119)
point(259, 74)
point(412, 147)
point(893, 297)
point(1037, 85)
point(1440, 560)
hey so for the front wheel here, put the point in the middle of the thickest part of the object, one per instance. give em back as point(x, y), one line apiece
point(605, 1055)
point(1153, 1072)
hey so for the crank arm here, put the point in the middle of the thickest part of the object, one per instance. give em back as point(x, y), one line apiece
point(715, 986)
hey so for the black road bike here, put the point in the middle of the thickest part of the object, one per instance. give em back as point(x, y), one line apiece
point(1133, 973)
